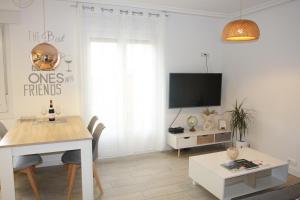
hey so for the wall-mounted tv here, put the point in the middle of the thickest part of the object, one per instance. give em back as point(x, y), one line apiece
point(195, 89)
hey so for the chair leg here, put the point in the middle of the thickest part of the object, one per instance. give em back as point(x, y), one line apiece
point(29, 172)
point(73, 169)
point(69, 172)
point(95, 173)
point(33, 169)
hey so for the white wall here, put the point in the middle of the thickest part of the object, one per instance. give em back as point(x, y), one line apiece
point(7, 5)
point(186, 38)
point(267, 74)
point(19, 66)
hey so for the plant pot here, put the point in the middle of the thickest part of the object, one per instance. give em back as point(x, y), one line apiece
point(241, 144)
point(232, 153)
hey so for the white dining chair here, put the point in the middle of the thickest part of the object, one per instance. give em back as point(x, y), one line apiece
point(73, 160)
point(92, 123)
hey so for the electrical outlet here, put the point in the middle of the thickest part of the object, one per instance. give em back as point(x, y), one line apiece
point(292, 162)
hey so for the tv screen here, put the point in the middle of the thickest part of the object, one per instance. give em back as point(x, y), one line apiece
point(195, 90)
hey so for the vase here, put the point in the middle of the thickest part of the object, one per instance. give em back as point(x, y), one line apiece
point(232, 153)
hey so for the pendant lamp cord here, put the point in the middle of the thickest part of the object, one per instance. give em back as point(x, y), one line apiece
point(175, 117)
point(44, 16)
point(206, 60)
point(241, 7)
point(206, 63)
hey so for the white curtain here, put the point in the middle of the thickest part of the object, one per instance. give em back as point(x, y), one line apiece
point(124, 77)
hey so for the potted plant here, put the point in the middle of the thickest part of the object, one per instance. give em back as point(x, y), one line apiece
point(240, 118)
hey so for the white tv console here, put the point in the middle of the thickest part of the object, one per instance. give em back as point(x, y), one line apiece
point(198, 138)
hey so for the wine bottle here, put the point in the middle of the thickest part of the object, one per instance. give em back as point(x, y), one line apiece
point(51, 112)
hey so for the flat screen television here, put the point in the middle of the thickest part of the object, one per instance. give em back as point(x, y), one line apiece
point(195, 89)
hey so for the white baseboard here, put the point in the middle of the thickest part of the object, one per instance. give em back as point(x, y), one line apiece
point(166, 148)
point(294, 172)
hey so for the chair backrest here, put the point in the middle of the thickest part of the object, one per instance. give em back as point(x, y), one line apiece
point(92, 123)
point(3, 130)
point(96, 135)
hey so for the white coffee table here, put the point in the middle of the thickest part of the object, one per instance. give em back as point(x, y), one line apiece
point(206, 170)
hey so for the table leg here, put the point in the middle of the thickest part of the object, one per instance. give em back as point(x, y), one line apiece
point(178, 153)
point(7, 175)
point(87, 170)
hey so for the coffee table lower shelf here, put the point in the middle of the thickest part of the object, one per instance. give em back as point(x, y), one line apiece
point(242, 188)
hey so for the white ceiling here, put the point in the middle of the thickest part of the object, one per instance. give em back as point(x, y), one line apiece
point(218, 8)
point(222, 6)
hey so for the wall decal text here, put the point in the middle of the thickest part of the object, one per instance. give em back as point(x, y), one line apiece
point(44, 84)
point(47, 36)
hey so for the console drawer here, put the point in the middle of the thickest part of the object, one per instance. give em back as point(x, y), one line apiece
point(205, 139)
point(221, 137)
point(186, 142)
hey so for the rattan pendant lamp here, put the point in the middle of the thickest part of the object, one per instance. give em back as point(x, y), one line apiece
point(241, 29)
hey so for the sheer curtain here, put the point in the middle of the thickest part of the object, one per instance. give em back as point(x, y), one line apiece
point(124, 77)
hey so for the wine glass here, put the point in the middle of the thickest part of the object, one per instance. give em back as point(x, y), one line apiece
point(43, 112)
point(68, 60)
point(57, 110)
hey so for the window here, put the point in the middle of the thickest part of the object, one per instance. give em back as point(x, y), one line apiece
point(3, 78)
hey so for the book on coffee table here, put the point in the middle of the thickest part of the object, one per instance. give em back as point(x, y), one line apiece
point(240, 164)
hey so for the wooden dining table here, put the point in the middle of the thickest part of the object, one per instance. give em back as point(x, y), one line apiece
point(35, 136)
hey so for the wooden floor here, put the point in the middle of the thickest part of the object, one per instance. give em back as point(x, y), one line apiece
point(154, 176)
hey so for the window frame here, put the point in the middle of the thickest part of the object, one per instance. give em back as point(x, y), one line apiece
point(3, 77)
point(4, 31)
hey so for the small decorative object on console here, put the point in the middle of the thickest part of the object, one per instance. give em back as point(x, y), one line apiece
point(176, 130)
point(209, 120)
point(222, 124)
point(192, 121)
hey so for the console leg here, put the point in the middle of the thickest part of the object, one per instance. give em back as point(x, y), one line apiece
point(178, 153)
